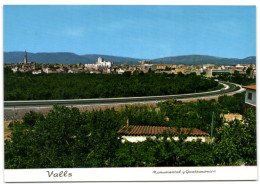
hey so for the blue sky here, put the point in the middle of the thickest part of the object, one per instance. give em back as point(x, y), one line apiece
point(132, 31)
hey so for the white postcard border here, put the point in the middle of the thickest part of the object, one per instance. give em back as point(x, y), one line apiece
point(241, 173)
point(244, 173)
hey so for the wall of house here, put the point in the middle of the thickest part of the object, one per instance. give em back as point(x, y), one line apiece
point(253, 100)
point(143, 138)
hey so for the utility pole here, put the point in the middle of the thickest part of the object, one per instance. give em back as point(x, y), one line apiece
point(211, 135)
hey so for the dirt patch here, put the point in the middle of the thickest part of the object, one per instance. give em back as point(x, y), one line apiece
point(15, 114)
point(7, 131)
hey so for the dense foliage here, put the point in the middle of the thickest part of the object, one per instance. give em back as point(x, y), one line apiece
point(240, 139)
point(26, 86)
point(67, 138)
point(233, 104)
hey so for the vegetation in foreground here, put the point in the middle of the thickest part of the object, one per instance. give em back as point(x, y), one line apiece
point(67, 138)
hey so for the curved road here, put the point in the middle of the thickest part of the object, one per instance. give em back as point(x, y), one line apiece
point(229, 88)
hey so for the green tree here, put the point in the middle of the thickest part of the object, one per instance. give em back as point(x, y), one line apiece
point(25, 86)
point(236, 142)
point(248, 70)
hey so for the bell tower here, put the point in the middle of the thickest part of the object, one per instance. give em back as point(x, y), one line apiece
point(25, 57)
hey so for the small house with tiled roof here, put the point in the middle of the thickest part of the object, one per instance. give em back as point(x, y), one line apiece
point(133, 133)
point(250, 97)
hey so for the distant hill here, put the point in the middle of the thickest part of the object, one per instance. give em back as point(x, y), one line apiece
point(71, 58)
point(65, 58)
point(203, 59)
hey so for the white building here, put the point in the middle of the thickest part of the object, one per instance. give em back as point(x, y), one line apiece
point(15, 69)
point(250, 97)
point(45, 70)
point(104, 64)
point(120, 71)
point(212, 72)
point(135, 134)
point(100, 64)
point(36, 72)
point(48, 70)
point(91, 66)
point(206, 66)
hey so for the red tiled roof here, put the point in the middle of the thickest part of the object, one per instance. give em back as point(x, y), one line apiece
point(250, 87)
point(156, 130)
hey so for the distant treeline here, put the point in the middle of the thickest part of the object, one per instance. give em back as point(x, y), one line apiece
point(26, 86)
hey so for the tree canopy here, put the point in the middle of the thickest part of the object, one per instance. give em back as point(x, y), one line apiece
point(26, 86)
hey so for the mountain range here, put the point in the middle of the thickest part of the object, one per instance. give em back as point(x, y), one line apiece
point(71, 58)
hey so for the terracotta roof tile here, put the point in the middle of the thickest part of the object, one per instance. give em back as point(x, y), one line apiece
point(250, 87)
point(156, 130)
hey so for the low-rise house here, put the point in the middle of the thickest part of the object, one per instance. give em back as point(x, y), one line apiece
point(134, 133)
point(164, 66)
point(250, 97)
point(134, 67)
point(120, 71)
point(252, 74)
point(72, 71)
point(198, 71)
point(148, 66)
point(216, 72)
point(24, 70)
point(168, 72)
point(129, 71)
point(179, 71)
point(36, 72)
point(49, 70)
point(59, 70)
point(209, 65)
point(15, 69)
point(232, 117)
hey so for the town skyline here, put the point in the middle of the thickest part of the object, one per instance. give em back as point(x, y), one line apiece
point(72, 58)
point(145, 32)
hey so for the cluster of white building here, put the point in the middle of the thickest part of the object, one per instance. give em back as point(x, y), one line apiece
point(100, 64)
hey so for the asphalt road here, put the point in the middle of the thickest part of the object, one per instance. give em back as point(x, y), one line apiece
point(230, 88)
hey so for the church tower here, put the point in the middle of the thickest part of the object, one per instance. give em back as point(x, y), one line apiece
point(100, 60)
point(25, 57)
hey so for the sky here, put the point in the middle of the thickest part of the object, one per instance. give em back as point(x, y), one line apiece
point(143, 32)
